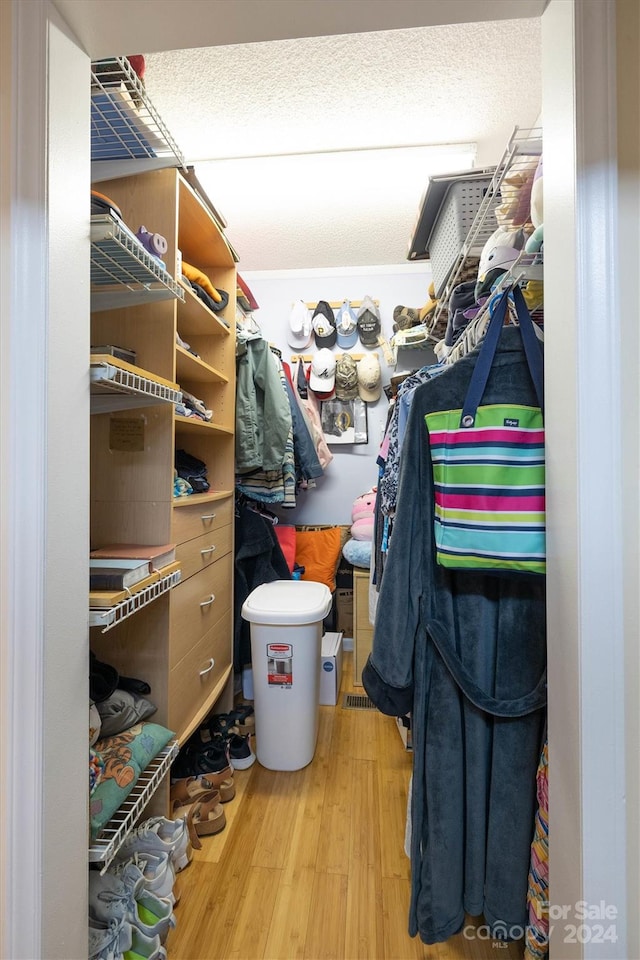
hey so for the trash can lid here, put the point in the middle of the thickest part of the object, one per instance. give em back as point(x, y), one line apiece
point(287, 602)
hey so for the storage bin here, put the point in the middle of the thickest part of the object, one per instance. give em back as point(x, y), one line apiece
point(455, 218)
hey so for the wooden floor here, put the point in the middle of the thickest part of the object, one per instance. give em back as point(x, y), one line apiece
point(311, 863)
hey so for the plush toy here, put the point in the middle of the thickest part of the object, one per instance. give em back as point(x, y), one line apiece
point(537, 212)
point(362, 515)
point(432, 302)
point(154, 243)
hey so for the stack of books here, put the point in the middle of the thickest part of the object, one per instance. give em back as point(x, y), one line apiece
point(118, 570)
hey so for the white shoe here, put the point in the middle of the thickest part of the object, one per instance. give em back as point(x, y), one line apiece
point(158, 835)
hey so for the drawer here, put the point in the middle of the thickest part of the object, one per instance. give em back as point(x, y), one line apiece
point(194, 678)
point(192, 611)
point(194, 519)
point(361, 590)
point(197, 554)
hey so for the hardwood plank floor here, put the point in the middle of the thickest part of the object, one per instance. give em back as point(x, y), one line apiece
point(311, 864)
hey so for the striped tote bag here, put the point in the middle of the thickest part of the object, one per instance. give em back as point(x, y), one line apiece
point(488, 468)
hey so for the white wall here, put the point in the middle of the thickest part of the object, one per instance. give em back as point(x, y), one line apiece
point(45, 483)
point(353, 469)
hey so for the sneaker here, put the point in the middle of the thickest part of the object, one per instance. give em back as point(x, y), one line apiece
point(240, 752)
point(157, 870)
point(125, 897)
point(144, 948)
point(108, 939)
point(203, 760)
point(158, 835)
point(119, 940)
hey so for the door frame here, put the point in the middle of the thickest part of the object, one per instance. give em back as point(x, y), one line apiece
point(583, 314)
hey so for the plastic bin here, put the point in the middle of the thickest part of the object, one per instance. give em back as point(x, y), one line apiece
point(286, 637)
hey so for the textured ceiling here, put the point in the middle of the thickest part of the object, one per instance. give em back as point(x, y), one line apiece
point(300, 125)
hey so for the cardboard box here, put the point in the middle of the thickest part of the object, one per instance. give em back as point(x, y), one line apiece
point(344, 611)
point(330, 669)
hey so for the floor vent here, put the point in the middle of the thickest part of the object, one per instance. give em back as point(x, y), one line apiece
point(357, 701)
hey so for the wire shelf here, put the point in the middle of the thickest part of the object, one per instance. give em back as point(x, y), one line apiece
point(122, 272)
point(108, 379)
point(110, 617)
point(528, 266)
point(127, 133)
point(105, 846)
point(518, 160)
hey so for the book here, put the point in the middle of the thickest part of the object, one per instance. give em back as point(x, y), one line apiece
point(113, 574)
point(103, 599)
point(158, 555)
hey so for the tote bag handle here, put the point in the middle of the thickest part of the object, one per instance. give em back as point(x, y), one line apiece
point(488, 349)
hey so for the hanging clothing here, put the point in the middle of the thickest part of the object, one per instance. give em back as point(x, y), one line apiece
point(258, 559)
point(263, 416)
point(465, 653)
point(537, 932)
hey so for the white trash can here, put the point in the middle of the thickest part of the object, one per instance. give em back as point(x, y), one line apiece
point(286, 638)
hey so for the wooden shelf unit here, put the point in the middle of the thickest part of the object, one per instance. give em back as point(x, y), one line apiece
point(182, 643)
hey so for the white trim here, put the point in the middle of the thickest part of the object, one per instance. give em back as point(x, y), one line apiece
point(601, 423)
point(584, 432)
point(25, 425)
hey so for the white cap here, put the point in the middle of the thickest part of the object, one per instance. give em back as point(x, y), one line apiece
point(299, 334)
point(369, 378)
point(322, 376)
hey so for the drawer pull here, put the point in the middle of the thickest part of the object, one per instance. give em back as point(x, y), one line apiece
point(208, 550)
point(207, 603)
point(208, 516)
point(208, 669)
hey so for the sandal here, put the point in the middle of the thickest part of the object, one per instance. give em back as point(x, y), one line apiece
point(205, 817)
point(243, 717)
point(186, 791)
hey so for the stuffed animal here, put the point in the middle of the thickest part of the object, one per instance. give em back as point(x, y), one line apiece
point(362, 515)
point(154, 243)
point(432, 302)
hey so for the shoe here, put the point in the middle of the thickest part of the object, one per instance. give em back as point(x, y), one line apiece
point(144, 948)
point(158, 835)
point(108, 939)
point(220, 724)
point(120, 940)
point(206, 817)
point(157, 870)
point(186, 791)
point(240, 752)
point(203, 760)
point(125, 897)
point(242, 715)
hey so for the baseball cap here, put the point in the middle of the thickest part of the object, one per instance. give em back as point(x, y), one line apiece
point(346, 326)
point(324, 325)
point(322, 372)
point(346, 377)
point(299, 333)
point(368, 323)
point(369, 378)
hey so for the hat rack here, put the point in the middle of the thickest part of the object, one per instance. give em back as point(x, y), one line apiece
point(336, 304)
point(308, 357)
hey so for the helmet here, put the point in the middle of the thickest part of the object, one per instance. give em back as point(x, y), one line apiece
point(499, 260)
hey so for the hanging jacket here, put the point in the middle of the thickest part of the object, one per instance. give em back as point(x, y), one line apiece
point(263, 416)
point(258, 559)
point(465, 653)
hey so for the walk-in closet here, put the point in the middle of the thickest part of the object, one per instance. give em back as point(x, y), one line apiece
point(317, 295)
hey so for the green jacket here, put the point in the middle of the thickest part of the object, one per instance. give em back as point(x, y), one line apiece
point(263, 415)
